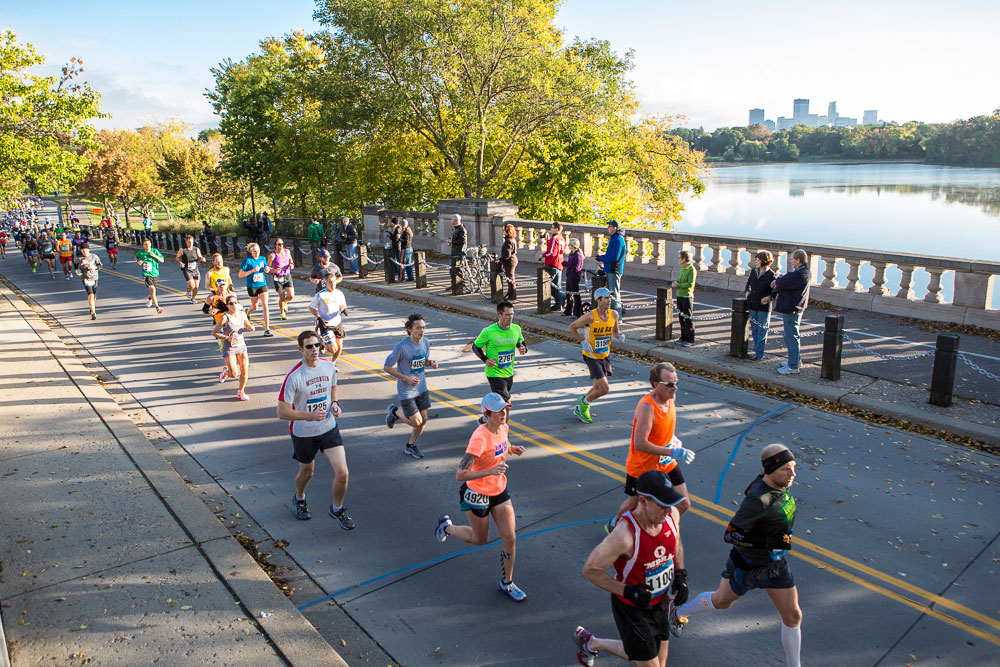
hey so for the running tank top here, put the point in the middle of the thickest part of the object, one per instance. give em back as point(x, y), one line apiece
point(660, 434)
point(228, 330)
point(190, 256)
point(281, 263)
point(599, 335)
point(214, 275)
point(651, 562)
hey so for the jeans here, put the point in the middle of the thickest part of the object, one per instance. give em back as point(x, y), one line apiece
point(555, 276)
point(791, 323)
point(759, 333)
point(407, 259)
point(351, 250)
point(615, 287)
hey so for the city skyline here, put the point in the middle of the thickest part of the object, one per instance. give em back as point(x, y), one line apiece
point(802, 116)
point(152, 62)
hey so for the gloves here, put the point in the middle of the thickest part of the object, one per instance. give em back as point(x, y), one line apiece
point(585, 344)
point(682, 454)
point(638, 595)
point(621, 337)
point(679, 587)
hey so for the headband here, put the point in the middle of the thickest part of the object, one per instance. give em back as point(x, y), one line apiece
point(772, 463)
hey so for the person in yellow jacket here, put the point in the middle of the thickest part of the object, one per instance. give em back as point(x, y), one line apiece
point(599, 326)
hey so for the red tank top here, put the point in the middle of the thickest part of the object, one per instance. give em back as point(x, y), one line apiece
point(652, 560)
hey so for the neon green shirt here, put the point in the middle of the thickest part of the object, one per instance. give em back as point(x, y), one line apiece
point(500, 345)
point(150, 267)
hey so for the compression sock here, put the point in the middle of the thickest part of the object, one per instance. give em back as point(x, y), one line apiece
point(701, 603)
point(583, 399)
point(791, 639)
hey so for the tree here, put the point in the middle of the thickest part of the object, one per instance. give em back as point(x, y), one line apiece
point(43, 121)
point(752, 151)
point(191, 174)
point(123, 167)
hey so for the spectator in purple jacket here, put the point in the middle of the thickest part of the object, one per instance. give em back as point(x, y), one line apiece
point(790, 294)
point(572, 270)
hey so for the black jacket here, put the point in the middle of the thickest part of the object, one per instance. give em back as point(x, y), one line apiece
point(459, 239)
point(792, 292)
point(758, 287)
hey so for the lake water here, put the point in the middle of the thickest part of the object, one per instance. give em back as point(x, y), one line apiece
point(912, 208)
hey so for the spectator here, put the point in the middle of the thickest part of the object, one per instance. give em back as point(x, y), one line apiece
point(405, 250)
point(613, 261)
point(209, 237)
point(756, 293)
point(349, 241)
point(336, 234)
point(147, 226)
point(573, 269)
point(315, 236)
point(553, 261)
point(685, 297)
point(393, 242)
point(508, 259)
point(790, 293)
point(264, 238)
point(253, 228)
point(459, 239)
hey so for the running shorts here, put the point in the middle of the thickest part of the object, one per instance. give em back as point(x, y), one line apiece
point(49, 255)
point(189, 275)
point(479, 503)
point(150, 280)
point(257, 291)
point(306, 447)
point(281, 282)
point(599, 368)
point(675, 477)
point(501, 385)
point(743, 580)
point(91, 289)
point(642, 631)
point(418, 403)
point(64, 259)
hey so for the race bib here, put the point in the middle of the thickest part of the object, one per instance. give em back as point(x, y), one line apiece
point(475, 500)
point(417, 365)
point(505, 359)
point(601, 344)
point(316, 404)
point(658, 579)
point(258, 279)
point(193, 266)
point(89, 283)
point(147, 266)
point(328, 337)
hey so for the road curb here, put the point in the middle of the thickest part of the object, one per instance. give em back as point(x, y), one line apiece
point(298, 642)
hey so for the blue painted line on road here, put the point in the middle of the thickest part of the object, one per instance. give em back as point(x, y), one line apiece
point(444, 558)
point(736, 447)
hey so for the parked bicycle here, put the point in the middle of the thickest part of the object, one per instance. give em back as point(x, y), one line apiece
point(475, 269)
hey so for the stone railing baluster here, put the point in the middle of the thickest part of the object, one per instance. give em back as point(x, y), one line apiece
point(854, 267)
point(905, 282)
point(829, 271)
point(717, 265)
point(934, 286)
point(734, 261)
point(878, 280)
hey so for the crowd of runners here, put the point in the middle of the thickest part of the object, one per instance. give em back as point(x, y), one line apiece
point(640, 561)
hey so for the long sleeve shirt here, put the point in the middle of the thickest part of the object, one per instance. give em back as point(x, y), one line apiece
point(685, 281)
point(614, 258)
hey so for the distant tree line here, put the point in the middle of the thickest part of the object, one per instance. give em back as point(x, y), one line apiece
point(972, 142)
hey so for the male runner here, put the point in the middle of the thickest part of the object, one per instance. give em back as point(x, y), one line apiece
point(187, 258)
point(90, 266)
point(78, 240)
point(111, 243)
point(65, 248)
point(308, 400)
point(47, 251)
point(149, 259)
point(281, 264)
point(218, 270)
point(654, 445)
point(407, 362)
point(322, 269)
point(255, 270)
point(761, 535)
point(30, 249)
point(3, 242)
point(329, 307)
point(495, 346)
point(644, 548)
point(601, 325)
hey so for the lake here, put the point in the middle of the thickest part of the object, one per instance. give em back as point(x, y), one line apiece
point(904, 207)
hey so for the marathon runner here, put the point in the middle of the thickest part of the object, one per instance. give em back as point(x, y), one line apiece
point(30, 249)
point(495, 346)
point(654, 446)
point(47, 251)
point(483, 493)
point(65, 248)
point(281, 275)
point(308, 399)
point(255, 270)
point(407, 363)
point(187, 258)
point(90, 266)
point(149, 259)
point(322, 269)
point(3, 242)
point(218, 270)
point(644, 548)
point(329, 307)
point(111, 243)
point(229, 330)
point(78, 240)
point(761, 535)
point(601, 325)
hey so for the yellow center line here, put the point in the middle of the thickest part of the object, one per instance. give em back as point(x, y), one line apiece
point(608, 467)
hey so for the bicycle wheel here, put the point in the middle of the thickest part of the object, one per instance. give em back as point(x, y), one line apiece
point(470, 279)
point(484, 281)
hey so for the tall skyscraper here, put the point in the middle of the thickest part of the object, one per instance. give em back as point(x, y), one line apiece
point(800, 111)
point(756, 117)
point(831, 112)
point(871, 117)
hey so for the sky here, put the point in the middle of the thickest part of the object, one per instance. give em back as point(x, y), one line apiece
point(708, 61)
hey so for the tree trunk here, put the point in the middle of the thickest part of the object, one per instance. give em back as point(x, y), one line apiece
point(253, 207)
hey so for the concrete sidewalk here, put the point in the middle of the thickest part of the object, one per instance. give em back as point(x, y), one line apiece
point(108, 555)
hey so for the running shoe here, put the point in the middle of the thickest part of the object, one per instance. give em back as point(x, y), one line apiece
point(390, 415)
point(582, 411)
point(439, 532)
point(283, 316)
point(224, 374)
point(52, 275)
point(511, 589)
point(788, 370)
point(685, 343)
point(67, 276)
point(413, 451)
point(267, 333)
point(187, 292)
point(300, 509)
point(583, 653)
point(346, 522)
point(149, 303)
point(783, 364)
point(32, 269)
point(159, 311)
point(609, 526)
point(93, 315)
point(243, 397)
point(676, 622)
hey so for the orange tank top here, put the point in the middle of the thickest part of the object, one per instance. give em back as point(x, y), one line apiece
point(660, 434)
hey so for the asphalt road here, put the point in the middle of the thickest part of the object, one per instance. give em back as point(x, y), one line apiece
point(896, 535)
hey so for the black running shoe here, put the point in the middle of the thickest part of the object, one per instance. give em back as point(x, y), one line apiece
point(413, 451)
point(346, 522)
point(300, 509)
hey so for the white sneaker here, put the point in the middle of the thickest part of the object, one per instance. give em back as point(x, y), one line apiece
point(785, 370)
point(149, 303)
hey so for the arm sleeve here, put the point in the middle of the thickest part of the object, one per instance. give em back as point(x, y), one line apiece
point(478, 351)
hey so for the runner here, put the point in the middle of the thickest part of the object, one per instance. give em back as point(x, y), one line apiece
point(30, 249)
point(187, 258)
point(308, 400)
point(329, 307)
point(483, 493)
point(495, 346)
point(644, 549)
point(281, 275)
point(411, 356)
point(229, 330)
point(255, 270)
point(78, 240)
point(601, 325)
point(90, 266)
point(47, 251)
point(761, 535)
point(111, 243)
point(3, 242)
point(149, 259)
point(322, 269)
point(218, 270)
point(65, 248)
point(654, 446)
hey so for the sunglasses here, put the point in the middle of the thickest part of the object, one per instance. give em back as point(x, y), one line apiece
point(230, 303)
point(311, 346)
point(669, 385)
point(279, 243)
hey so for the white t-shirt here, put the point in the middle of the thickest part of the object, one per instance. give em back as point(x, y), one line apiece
point(328, 304)
point(308, 389)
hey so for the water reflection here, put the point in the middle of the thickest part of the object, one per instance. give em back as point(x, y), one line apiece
point(983, 197)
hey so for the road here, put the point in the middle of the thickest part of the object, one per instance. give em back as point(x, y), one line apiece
point(896, 534)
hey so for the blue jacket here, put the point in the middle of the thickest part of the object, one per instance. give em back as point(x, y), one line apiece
point(614, 258)
point(792, 291)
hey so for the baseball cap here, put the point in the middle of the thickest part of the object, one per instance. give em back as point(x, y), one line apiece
point(654, 484)
point(614, 223)
point(323, 253)
point(602, 291)
point(220, 281)
point(494, 403)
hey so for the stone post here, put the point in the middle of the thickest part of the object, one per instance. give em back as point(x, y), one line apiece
point(739, 329)
point(543, 292)
point(833, 347)
point(420, 269)
point(479, 217)
point(943, 373)
point(362, 260)
point(665, 311)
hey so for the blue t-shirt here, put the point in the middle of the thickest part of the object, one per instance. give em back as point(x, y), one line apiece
point(409, 359)
point(257, 278)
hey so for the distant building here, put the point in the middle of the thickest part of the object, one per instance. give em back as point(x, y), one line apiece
point(785, 123)
point(756, 117)
point(831, 113)
point(844, 121)
point(800, 111)
point(870, 117)
point(769, 125)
